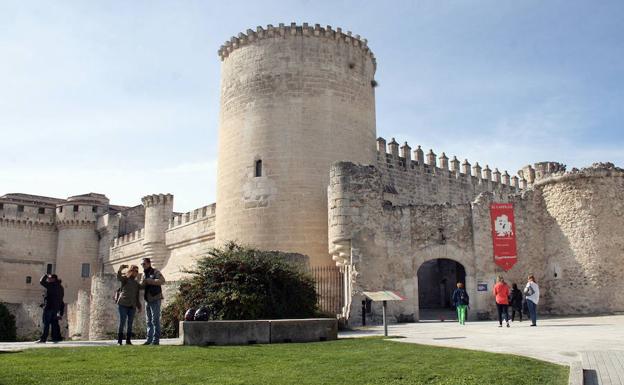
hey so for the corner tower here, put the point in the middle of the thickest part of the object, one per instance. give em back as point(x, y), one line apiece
point(78, 242)
point(294, 99)
point(158, 212)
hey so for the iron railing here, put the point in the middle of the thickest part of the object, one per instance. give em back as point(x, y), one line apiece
point(329, 289)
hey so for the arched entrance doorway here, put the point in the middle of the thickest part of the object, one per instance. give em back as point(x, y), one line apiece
point(437, 279)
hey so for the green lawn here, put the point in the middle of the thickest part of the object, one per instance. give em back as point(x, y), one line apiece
point(351, 361)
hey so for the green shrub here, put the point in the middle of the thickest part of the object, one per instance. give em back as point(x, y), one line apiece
point(8, 331)
point(237, 283)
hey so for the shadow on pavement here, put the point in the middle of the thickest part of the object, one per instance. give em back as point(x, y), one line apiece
point(590, 377)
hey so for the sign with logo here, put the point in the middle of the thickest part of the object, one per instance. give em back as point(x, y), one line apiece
point(503, 234)
point(481, 286)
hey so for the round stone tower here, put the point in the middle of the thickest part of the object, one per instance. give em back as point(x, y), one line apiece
point(585, 217)
point(294, 99)
point(158, 212)
point(77, 247)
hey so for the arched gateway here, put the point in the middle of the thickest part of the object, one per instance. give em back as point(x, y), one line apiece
point(437, 278)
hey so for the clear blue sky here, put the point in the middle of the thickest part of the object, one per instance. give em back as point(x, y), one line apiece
point(122, 97)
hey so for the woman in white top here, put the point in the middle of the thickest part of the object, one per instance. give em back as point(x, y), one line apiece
point(531, 291)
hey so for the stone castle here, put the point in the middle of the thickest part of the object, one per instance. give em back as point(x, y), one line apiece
point(300, 170)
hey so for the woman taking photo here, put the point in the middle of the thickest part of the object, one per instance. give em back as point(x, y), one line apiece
point(127, 300)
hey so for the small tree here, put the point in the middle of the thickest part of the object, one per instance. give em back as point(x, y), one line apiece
point(8, 331)
point(236, 283)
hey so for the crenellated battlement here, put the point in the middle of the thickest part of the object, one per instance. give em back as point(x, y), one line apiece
point(157, 199)
point(26, 223)
point(76, 214)
point(596, 170)
point(432, 166)
point(134, 236)
point(283, 31)
point(25, 214)
point(192, 216)
point(540, 170)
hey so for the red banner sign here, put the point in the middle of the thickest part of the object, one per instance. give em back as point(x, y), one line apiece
point(503, 234)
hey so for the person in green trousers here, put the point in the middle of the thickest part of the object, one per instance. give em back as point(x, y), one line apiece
point(461, 302)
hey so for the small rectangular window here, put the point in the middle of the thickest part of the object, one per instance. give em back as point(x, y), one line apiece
point(94, 209)
point(29, 280)
point(41, 210)
point(1, 206)
point(86, 270)
point(60, 209)
point(258, 168)
point(75, 208)
point(20, 208)
point(49, 268)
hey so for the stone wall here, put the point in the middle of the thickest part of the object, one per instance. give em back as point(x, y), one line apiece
point(28, 320)
point(102, 312)
point(186, 237)
point(25, 251)
point(567, 231)
point(78, 316)
point(189, 237)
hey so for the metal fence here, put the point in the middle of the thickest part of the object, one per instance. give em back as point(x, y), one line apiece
point(329, 288)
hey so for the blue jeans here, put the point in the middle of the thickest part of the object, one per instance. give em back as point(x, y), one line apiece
point(125, 313)
point(532, 311)
point(152, 316)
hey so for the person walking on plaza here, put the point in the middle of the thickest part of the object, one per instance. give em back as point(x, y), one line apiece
point(53, 307)
point(516, 302)
point(532, 293)
point(127, 301)
point(501, 293)
point(461, 302)
point(152, 284)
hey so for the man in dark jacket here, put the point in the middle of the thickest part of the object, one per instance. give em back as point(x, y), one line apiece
point(151, 283)
point(53, 307)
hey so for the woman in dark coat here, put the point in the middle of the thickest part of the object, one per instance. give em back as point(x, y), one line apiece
point(128, 300)
point(516, 302)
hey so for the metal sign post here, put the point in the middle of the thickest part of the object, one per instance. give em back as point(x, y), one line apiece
point(384, 297)
point(385, 322)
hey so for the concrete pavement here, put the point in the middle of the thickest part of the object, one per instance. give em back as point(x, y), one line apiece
point(594, 343)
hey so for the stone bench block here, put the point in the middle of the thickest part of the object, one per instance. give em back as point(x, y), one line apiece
point(225, 332)
point(246, 332)
point(304, 330)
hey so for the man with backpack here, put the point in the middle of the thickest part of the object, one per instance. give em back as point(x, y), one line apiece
point(461, 301)
point(152, 284)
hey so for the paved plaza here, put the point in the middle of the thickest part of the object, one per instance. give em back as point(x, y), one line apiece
point(593, 343)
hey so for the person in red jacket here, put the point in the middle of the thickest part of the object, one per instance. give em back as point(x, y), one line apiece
point(501, 293)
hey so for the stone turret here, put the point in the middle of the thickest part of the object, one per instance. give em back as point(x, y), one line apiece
point(158, 212)
point(546, 169)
